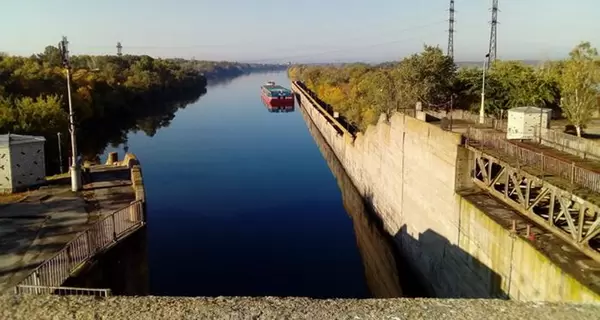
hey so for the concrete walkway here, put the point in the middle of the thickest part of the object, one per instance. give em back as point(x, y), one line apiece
point(36, 228)
point(73, 307)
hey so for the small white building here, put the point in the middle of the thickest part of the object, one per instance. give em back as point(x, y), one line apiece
point(22, 162)
point(524, 121)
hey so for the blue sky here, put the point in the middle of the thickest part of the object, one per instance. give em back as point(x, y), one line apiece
point(299, 31)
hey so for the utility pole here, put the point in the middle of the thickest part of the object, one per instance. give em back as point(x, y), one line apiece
point(493, 50)
point(119, 48)
point(482, 107)
point(75, 168)
point(451, 31)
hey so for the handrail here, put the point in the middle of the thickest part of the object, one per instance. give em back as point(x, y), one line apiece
point(581, 147)
point(568, 170)
point(27, 289)
point(298, 85)
point(102, 234)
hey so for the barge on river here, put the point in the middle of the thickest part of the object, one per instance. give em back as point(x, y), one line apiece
point(276, 95)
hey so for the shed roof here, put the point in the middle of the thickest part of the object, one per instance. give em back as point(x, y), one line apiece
point(12, 139)
point(529, 109)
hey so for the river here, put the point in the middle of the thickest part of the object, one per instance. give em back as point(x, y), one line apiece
point(241, 202)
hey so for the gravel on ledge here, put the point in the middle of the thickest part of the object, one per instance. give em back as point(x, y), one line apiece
point(80, 307)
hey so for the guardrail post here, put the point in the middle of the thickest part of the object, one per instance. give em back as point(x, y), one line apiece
point(114, 228)
point(572, 172)
point(36, 281)
point(90, 244)
point(69, 255)
point(543, 162)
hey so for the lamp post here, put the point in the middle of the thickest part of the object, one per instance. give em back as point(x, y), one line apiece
point(482, 107)
point(75, 169)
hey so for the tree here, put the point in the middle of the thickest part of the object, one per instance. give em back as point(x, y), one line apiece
point(426, 77)
point(579, 85)
point(51, 56)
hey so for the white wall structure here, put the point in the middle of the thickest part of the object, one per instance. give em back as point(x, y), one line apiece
point(524, 121)
point(22, 162)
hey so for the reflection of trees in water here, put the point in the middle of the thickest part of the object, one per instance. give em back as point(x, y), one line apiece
point(374, 244)
point(222, 81)
point(150, 114)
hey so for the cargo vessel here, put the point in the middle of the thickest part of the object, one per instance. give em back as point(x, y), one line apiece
point(277, 96)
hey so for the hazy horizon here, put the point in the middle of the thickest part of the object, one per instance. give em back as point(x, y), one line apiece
point(268, 31)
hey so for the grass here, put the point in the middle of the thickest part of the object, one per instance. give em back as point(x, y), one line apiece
point(13, 197)
point(58, 176)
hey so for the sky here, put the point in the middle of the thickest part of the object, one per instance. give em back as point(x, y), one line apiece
point(299, 31)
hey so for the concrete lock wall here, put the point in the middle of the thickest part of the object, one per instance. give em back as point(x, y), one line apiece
point(410, 171)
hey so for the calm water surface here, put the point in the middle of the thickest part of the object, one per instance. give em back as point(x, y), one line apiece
point(241, 202)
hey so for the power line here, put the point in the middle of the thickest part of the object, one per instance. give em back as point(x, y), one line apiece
point(451, 31)
point(201, 46)
point(340, 50)
point(494, 33)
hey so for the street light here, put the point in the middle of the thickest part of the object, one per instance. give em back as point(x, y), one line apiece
point(75, 169)
point(481, 109)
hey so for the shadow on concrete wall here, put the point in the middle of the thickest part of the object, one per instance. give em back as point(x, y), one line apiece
point(385, 271)
point(446, 270)
point(426, 266)
point(123, 268)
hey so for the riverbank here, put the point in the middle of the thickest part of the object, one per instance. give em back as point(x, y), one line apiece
point(45, 220)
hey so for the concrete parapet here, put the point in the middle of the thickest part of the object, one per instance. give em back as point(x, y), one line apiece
point(130, 160)
point(115, 308)
point(137, 182)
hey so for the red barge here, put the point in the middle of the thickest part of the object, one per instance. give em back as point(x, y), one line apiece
point(276, 96)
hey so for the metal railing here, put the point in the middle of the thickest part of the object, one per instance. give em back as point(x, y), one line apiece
point(582, 147)
point(498, 124)
point(345, 126)
point(107, 231)
point(577, 175)
point(27, 289)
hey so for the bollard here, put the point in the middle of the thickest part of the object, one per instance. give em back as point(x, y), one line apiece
point(112, 158)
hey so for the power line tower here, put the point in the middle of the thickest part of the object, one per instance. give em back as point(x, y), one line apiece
point(451, 31)
point(494, 33)
point(119, 48)
point(75, 169)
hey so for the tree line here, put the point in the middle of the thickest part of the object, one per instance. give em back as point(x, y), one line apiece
point(33, 89)
point(110, 95)
point(362, 92)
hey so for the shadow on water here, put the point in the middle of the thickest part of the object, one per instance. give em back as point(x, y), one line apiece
point(152, 112)
point(443, 269)
point(385, 271)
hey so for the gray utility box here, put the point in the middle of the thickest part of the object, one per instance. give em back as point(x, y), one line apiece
point(22, 162)
point(524, 122)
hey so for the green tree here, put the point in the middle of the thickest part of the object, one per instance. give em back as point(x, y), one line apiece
point(51, 56)
point(41, 115)
point(427, 77)
point(579, 83)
